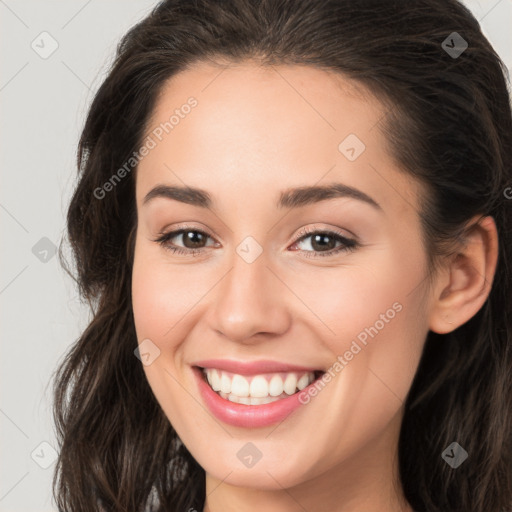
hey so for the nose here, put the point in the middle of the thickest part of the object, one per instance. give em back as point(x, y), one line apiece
point(251, 302)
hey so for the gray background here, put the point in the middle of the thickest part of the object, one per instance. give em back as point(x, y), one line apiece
point(43, 103)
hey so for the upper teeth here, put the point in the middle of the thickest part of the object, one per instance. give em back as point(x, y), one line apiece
point(258, 386)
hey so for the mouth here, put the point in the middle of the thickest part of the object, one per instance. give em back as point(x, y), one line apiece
point(253, 400)
point(259, 389)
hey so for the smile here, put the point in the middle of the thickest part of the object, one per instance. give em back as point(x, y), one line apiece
point(258, 389)
point(250, 398)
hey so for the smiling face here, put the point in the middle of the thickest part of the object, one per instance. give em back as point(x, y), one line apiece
point(324, 281)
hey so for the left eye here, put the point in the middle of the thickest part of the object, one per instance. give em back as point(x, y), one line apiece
point(323, 243)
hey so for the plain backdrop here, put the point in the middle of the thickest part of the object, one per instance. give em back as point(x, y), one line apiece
point(54, 55)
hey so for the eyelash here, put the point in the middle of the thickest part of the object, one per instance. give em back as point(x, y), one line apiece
point(348, 244)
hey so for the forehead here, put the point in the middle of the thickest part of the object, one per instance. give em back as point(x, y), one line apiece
point(255, 96)
point(266, 126)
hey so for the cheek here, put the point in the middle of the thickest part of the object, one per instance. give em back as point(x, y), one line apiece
point(160, 301)
point(373, 316)
point(161, 295)
point(349, 301)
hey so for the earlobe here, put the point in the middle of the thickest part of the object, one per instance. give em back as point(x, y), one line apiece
point(465, 284)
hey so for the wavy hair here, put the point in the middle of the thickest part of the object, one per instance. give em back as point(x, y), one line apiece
point(448, 123)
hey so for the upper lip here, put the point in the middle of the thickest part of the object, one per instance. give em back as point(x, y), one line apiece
point(252, 367)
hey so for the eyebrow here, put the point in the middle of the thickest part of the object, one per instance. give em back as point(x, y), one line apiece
point(289, 198)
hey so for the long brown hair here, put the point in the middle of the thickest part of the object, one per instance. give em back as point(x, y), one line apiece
point(448, 124)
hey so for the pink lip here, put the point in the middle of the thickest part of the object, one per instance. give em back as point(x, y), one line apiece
point(247, 416)
point(251, 367)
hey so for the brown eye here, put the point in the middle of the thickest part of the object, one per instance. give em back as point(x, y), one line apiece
point(193, 239)
point(184, 241)
point(324, 243)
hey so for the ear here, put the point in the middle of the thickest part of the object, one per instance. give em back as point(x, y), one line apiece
point(463, 286)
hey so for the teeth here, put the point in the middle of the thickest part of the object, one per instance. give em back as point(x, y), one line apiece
point(240, 386)
point(225, 383)
point(303, 382)
point(257, 389)
point(290, 384)
point(275, 387)
point(248, 400)
point(214, 380)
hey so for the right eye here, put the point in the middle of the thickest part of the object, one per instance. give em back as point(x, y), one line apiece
point(192, 239)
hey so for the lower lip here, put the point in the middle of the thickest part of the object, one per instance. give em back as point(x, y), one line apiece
point(248, 416)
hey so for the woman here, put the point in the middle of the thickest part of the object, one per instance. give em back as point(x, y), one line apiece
point(293, 227)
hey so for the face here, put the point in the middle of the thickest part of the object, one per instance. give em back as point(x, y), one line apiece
point(268, 286)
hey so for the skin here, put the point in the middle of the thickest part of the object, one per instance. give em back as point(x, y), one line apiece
point(254, 133)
